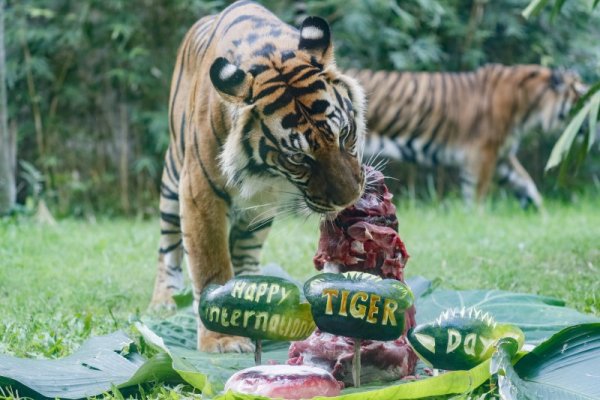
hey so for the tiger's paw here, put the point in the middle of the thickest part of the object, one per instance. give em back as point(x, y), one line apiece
point(162, 300)
point(213, 342)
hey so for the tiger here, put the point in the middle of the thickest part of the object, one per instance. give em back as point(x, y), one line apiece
point(260, 120)
point(470, 120)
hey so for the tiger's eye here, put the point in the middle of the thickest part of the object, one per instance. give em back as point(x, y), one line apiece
point(297, 158)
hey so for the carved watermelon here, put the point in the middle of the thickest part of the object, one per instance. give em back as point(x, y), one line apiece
point(258, 307)
point(359, 305)
point(460, 339)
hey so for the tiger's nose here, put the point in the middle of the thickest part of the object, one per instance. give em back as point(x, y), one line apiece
point(347, 197)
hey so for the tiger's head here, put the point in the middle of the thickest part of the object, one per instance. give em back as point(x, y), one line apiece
point(549, 96)
point(296, 118)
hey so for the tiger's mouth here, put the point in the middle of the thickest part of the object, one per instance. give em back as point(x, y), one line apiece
point(321, 208)
point(331, 209)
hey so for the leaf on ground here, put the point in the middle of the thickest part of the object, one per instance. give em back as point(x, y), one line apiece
point(565, 367)
point(538, 316)
point(100, 364)
point(208, 371)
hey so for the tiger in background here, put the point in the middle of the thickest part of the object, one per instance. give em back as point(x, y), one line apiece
point(470, 120)
point(260, 120)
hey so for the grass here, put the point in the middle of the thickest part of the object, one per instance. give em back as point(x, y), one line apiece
point(62, 284)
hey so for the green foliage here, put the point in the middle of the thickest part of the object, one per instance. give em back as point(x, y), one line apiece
point(561, 368)
point(588, 106)
point(88, 81)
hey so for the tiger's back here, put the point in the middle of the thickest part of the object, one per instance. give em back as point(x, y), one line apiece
point(469, 120)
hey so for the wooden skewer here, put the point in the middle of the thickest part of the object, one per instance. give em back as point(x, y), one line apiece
point(257, 351)
point(356, 363)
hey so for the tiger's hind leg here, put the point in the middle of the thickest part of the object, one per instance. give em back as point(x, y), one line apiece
point(246, 239)
point(476, 175)
point(169, 278)
point(511, 173)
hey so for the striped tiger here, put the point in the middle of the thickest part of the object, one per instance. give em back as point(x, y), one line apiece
point(470, 120)
point(261, 122)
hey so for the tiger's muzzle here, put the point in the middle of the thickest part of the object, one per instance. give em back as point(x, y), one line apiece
point(337, 181)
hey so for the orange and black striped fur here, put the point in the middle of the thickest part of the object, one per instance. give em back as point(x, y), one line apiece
point(471, 120)
point(261, 121)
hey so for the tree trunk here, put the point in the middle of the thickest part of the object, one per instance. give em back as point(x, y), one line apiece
point(123, 145)
point(7, 154)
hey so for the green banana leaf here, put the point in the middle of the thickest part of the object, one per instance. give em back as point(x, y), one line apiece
point(565, 367)
point(102, 363)
point(208, 372)
point(538, 316)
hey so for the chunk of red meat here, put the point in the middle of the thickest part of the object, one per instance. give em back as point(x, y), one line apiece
point(380, 361)
point(364, 236)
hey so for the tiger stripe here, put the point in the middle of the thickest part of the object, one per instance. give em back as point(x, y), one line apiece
point(469, 120)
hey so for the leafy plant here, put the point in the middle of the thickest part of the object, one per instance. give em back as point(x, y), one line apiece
point(588, 106)
point(562, 368)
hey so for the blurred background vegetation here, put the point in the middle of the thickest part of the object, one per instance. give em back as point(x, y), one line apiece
point(88, 82)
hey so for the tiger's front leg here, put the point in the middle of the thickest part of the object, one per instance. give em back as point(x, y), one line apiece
point(204, 227)
point(511, 173)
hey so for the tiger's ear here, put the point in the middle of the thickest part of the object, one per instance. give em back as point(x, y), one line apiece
point(557, 78)
point(315, 39)
point(232, 83)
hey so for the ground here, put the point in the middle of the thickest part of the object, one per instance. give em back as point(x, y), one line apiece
point(61, 284)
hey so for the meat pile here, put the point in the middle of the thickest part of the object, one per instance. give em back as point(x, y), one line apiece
point(363, 237)
point(284, 381)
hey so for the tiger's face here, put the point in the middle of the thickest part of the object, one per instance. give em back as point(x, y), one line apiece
point(551, 94)
point(299, 120)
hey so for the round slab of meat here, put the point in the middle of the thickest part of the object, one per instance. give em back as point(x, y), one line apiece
point(284, 381)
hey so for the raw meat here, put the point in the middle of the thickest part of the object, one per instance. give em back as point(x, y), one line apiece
point(284, 381)
point(380, 361)
point(363, 237)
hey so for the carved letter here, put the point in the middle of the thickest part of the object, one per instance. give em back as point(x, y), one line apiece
point(389, 307)
point(470, 341)
point(295, 327)
point(214, 314)
point(247, 315)
point(238, 288)
point(224, 317)
point(261, 321)
point(282, 325)
point(284, 295)
point(330, 293)
point(343, 302)
point(360, 310)
point(373, 309)
point(235, 315)
point(274, 289)
point(274, 323)
point(249, 292)
point(454, 339)
point(262, 289)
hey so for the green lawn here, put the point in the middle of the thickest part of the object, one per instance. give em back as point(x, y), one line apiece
point(61, 284)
